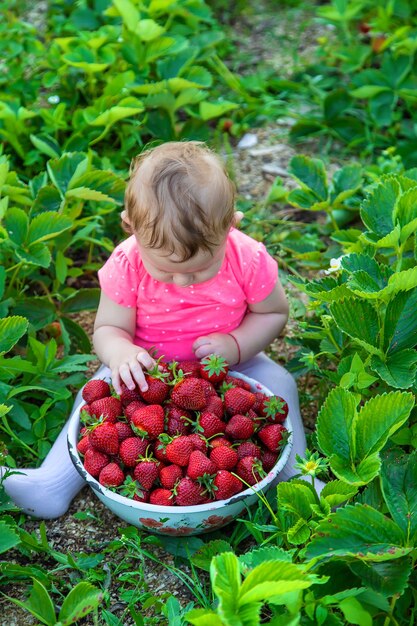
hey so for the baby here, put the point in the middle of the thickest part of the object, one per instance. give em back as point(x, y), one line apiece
point(186, 283)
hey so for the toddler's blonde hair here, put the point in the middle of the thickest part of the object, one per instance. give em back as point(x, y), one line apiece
point(179, 198)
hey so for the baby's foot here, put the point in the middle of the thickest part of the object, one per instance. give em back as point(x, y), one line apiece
point(43, 492)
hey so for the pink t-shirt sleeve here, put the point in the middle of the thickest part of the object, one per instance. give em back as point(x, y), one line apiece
point(261, 275)
point(119, 279)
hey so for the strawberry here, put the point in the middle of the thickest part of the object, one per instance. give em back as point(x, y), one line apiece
point(132, 407)
point(86, 410)
point(169, 475)
point(189, 368)
point(148, 421)
point(178, 450)
point(260, 399)
point(95, 390)
point(158, 389)
point(215, 405)
point(269, 459)
point(111, 475)
point(275, 409)
point(161, 497)
point(146, 472)
point(198, 442)
point(248, 448)
point(239, 427)
point(238, 400)
point(105, 438)
point(199, 465)
point(129, 395)
point(131, 489)
point(225, 485)
point(220, 441)
point(177, 420)
point(188, 492)
point(214, 368)
point(188, 393)
point(159, 449)
point(83, 444)
point(208, 424)
point(237, 382)
point(94, 461)
point(110, 408)
point(123, 430)
point(272, 435)
point(224, 457)
point(131, 449)
point(209, 389)
point(250, 470)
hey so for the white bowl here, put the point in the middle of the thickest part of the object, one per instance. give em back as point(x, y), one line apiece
point(180, 520)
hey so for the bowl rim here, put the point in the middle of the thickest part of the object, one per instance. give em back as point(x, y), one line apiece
point(104, 492)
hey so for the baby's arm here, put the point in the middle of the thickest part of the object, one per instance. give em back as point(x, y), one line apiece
point(261, 325)
point(114, 330)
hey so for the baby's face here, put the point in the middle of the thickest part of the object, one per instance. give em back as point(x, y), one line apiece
point(167, 269)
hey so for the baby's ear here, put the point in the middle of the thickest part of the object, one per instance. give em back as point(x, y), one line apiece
point(126, 222)
point(237, 218)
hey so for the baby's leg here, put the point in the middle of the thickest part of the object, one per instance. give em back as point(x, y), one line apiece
point(281, 383)
point(48, 490)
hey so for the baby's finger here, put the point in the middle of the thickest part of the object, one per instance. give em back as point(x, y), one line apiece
point(201, 341)
point(115, 379)
point(145, 359)
point(126, 376)
point(138, 375)
point(203, 350)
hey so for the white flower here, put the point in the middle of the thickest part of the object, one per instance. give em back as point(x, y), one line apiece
point(335, 265)
point(54, 99)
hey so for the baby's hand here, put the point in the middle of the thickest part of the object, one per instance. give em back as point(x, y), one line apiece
point(127, 365)
point(217, 343)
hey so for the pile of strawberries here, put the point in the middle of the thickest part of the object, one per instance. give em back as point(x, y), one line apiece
point(196, 435)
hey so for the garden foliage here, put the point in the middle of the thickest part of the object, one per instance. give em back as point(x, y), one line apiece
point(79, 98)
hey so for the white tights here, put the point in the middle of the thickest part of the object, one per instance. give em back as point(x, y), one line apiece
point(46, 492)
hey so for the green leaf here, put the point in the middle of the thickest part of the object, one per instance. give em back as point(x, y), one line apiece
point(81, 300)
point(11, 330)
point(358, 319)
point(16, 223)
point(367, 91)
point(129, 13)
point(47, 225)
point(355, 613)
point(378, 208)
point(46, 145)
point(311, 174)
point(400, 326)
point(299, 533)
point(358, 531)
point(202, 558)
point(80, 601)
point(35, 254)
point(61, 171)
point(203, 617)
point(210, 110)
point(353, 440)
point(88, 194)
point(226, 582)
point(272, 578)
point(39, 604)
point(398, 369)
point(256, 556)
point(336, 425)
point(296, 498)
point(379, 418)
point(103, 181)
point(399, 487)
point(125, 108)
point(9, 538)
point(148, 30)
point(387, 577)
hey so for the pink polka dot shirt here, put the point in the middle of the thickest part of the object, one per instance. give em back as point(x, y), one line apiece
point(170, 318)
